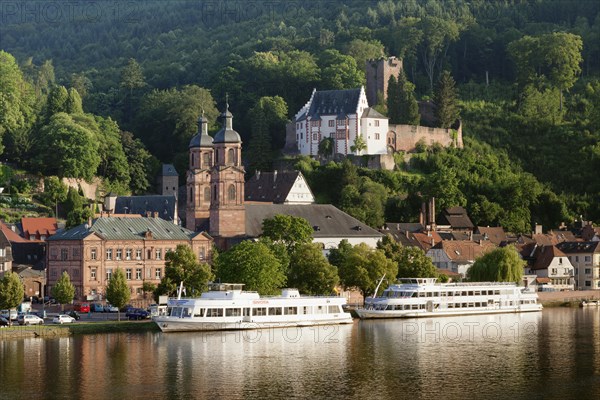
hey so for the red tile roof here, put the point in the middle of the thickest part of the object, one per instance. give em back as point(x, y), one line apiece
point(35, 227)
point(10, 235)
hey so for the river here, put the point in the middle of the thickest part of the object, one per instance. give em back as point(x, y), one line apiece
point(554, 354)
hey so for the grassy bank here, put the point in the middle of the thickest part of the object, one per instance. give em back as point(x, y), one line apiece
point(80, 328)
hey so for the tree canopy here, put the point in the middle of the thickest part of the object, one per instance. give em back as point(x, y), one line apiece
point(499, 265)
point(63, 290)
point(11, 290)
point(117, 290)
point(182, 265)
point(310, 272)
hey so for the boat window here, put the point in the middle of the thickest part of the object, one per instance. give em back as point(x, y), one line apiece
point(290, 310)
point(233, 312)
point(306, 310)
point(259, 311)
point(450, 305)
point(214, 312)
point(421, 294)
point(436, 294)
point(334, 309)
point(497, 292)
point(274, 310)
point(176, 312)
point(246, 312)
point(415, 307)
point(477, 293)
point(199, 312)
point(187, 313)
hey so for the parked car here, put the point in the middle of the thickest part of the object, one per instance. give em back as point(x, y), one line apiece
point(9, 314)
point(63, 319)
point(82, 307)
point(126, 308)
point(137, 314)
point(97, 307)
point(4, 322)
point(74, 314)
point(41, 314)
point(29, 319)
point(110, 308)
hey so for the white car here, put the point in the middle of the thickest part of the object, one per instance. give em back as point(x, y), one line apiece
point(29, 319)
point(63, 319)
point(109, 308)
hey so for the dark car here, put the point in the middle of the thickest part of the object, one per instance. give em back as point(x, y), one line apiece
point(74, 314)
point(137, 313)
point(3, 322)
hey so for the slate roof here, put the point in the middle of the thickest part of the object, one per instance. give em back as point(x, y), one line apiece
point(426, 240)
point(579, 247)
point(227, 134)
point(201, 138)
point(169, 170)
point(404, 226)
point(270, 187)
point(123, 228)
point(164, 205)
point(334, 102)
point(370, 112)
point(326, 220)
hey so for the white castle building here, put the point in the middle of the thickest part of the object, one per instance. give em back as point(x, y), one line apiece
point(342, 115)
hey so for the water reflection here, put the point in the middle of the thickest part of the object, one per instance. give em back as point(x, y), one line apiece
point(553, 354)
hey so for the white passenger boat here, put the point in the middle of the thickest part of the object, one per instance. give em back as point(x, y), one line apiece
point(227, 307)
point(423, 297)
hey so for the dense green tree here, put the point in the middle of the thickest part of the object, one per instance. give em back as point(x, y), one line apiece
point(114, 162)
point(339, 71)
point(139, 161)
point(11, 291)
point(540, 106)
point(253, 264)
point(499, 265)
point(287, 229)
point(81, 83)
point(390, 247)
point(166, 287)
point(117, 290)
point(73, 201)
point(268, 119)
point(359, 145)
point(68, 148)
point(63, 290)
point(401, 103)
point(132, 76)
point(446, 106)
point(363, 50)
point(73, 103)
point(16, 97)
point(413, 263)
point(326, 147)
point(56, 102)
point(55, 191)
point(363, 267)
point(393, 101)
point(182, 265)
point(310, 272)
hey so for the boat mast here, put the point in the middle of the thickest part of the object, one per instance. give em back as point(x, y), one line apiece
point(179, 290)
point(379, 284)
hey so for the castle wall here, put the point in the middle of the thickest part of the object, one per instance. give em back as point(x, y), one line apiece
point(405, 137)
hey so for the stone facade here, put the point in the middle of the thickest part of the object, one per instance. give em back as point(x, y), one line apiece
point(405, 137)
point(378, 73)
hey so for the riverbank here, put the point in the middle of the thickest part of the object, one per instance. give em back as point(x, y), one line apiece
point(78, 328)
point(567, 298)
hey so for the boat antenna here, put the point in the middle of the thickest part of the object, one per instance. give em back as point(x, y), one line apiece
point(179, 290)
point(379, 284)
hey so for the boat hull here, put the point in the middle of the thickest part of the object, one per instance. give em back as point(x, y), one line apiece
point(375, 314)
point(168, 324)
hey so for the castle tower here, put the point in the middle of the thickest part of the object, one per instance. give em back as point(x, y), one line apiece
point(227, 212)
point(198, 178)
point(378, 74)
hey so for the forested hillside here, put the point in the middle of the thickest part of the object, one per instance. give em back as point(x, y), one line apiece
point(526, 72)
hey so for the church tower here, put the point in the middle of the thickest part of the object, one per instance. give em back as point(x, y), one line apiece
point(198, 178)
point(227, 212)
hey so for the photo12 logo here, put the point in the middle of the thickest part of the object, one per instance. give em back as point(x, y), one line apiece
point(58, 12)
point(256, 332)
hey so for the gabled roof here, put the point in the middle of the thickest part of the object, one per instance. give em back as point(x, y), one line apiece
point(579, 247)
point(163, 205)
point(117, 228)
point(270, 187)
point(464, 250)
point(326, 220)
point(494, 234)
point(457, 218)
point(39, 226)
point(334, 102)
point(544, 255)
point(12, 237)
point(404, 226)
point(426, 240)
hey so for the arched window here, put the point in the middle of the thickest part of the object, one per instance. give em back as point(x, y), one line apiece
point(231, 192)
point(231, 157)
point(207, 194)
point(206, 161)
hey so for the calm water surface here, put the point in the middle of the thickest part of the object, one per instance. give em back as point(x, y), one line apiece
point(550, 355)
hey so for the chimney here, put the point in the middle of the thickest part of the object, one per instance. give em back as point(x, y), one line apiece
point(274, 176)
point(432, 242)
point(422, 214)
point(538, 229)
point(398, 227)
point(431, 220)
point(155, 214)
point(257, 175)
point(89, 222)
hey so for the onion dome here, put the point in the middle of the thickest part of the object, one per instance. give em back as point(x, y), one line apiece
point(202, 138)
point(227, 134)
